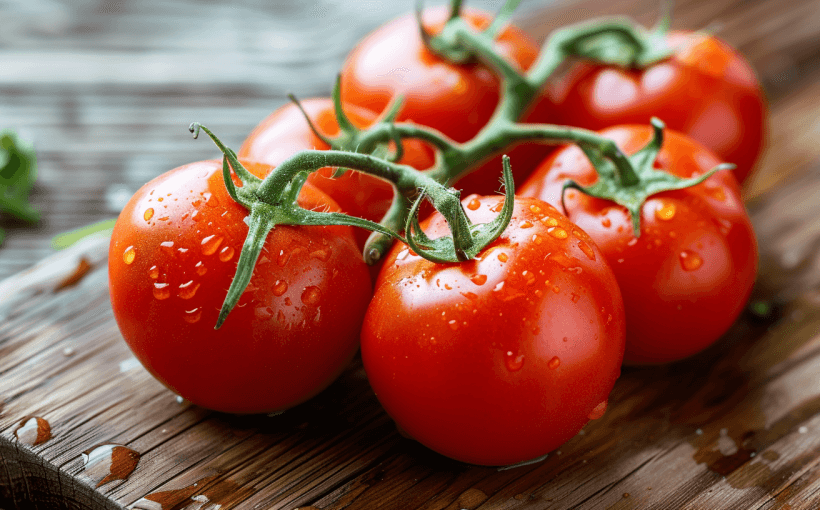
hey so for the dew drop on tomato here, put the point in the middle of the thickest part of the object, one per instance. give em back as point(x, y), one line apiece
point(195, 216)
point(321, 254)
point(557, 232)
point(188, 290)
point(554, 363)
point(280, 287)
point(148, 214)
point(162, 291)
point(226, 253)
point(535, 209)
point(210, 244)
point(453, 324)
point(503, 257)
point(549, 221)
point(192, 316)
point(587, 250)
point(479, 279)
point(470, 295)
point(514, 361)
point(474, 204)
point(200, 268)
point(129, 255)
point(666, 212)
point(529, 277)
point(525, 224)
point(598, 411)
point(311, 295)
point(263, 312)
point(690, 260)
point(153, 272)
point(167, 247)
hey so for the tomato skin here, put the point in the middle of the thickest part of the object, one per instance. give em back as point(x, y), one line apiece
point(688, 276)
point(706, 90)
point(294, 329)
point(457, 100)
point(485, 361)
point(286, 132)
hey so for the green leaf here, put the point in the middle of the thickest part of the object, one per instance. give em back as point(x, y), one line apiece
point(18, 171)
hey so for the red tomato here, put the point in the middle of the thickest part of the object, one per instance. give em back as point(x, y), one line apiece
point(172, 257)
point(457, 100)
point(498, 360)
point(286, 132)
point(706, 90)
point(688, 276)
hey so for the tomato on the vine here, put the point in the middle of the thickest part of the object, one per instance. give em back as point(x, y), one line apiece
point(456, 99)
point(688, 276)
point(501, 359)
point(172, 257)
point(706, 90)
point(286, 132)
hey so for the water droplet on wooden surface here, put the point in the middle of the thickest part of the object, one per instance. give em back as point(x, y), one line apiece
point(33, 431)
point(109, 462)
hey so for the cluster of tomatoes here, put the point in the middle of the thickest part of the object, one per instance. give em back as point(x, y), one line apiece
point(493, 361)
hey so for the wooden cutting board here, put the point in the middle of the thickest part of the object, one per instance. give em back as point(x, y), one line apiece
point(83, 425)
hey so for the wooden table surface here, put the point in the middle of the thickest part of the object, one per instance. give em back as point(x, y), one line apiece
point(106, 90)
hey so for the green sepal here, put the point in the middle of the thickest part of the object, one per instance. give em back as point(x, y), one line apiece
point(468, 239)
point(502, 18)
point(632, 195)
point(619, 42)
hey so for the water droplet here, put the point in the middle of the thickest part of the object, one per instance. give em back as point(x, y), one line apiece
point(33, 431)
point(280, 316)
point(226, 253)
point(162, 291)
point(497, 207)
point(153, 272)
point(160, 199)
point(188, 290)
point(200, 268)
point(263, 312)
point(448, 286)
point(148, 214)
point(283, 258)
point(503, 257)
point(479, 279)
point(528, 276)
point(288, 302)
point(606, 222)
point(557, 232)
point(280, 287)
point(632, 242)
point(514, 362)
point(554, 363)
point(311, 295)
point(690, 260)
point(525, 224)
point(575, 297)
point(210, 200)
point(498, 287)
point(453, 324)
point(556, 289)
point(210, 244)
point(549, 221)
point(470, 295)
point(68, 351)
point(534, 208)
point(666, 211)
point(164, 218)
point(403, 254)
point(598, 411)
point(167, 247)
point(587, 249)
point(192, 316)
point(129, 255)
point(108, 462)
point(474, 204)
point(321, 254)
point(196, 216)
point(717, 193)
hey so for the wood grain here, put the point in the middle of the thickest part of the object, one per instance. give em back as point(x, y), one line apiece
point(737, 426)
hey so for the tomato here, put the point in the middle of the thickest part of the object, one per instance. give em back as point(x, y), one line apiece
point(172, 257)
point(457, 100)
point(688, 276)
point(286, 132)
point(501, 359)
point(706, 90)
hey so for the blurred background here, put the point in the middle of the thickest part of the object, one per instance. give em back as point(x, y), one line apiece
point(105, 89)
